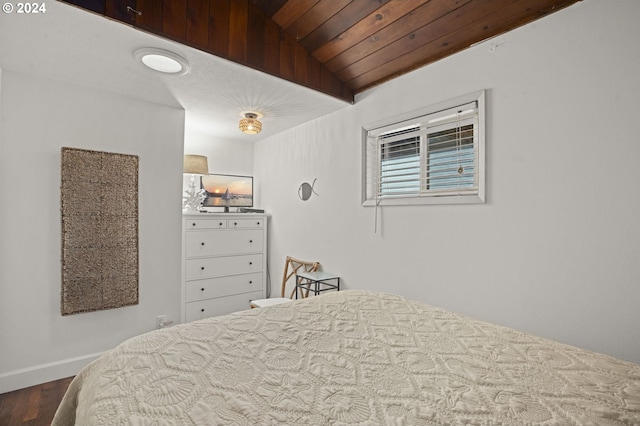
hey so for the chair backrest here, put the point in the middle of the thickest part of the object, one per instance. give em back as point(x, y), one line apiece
point(291, 267)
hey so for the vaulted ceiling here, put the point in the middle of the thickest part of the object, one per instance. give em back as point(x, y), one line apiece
point(337, 47)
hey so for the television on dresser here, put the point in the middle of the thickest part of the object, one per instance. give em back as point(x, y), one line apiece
point(227, 191)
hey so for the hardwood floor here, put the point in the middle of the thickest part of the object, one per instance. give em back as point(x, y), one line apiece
point(33, 406)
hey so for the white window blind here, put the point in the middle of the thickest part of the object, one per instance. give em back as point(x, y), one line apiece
point(436, 155)
point(399, 172)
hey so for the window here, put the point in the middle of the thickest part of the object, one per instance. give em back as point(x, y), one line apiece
point(435, 156)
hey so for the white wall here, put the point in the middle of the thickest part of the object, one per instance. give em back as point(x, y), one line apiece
point(37, 118)
point(224, 157)
point(555, 249)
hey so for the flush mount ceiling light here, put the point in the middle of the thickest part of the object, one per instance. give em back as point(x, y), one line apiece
point(250, 124)
point(162, 61)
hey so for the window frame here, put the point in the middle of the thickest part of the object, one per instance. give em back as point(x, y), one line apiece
point(371, 159)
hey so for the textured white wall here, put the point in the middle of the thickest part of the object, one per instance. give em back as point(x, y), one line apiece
point(555, 249)
point(37, 118)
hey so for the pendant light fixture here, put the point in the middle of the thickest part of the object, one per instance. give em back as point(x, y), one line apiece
point(250, 124)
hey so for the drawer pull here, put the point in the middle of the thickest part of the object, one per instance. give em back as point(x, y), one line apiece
point(235, 223)
point(250, 282)
point(258, 223)
point(220, 224)
point(202, 243)
point(202, 268)
point(193, 224)
point(202, 310)
point(250, 241)
point(202, 289)
point(250, 263)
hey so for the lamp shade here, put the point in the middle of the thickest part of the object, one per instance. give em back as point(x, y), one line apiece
point(195, 165)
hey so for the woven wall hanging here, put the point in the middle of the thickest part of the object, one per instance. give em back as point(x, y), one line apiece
point(99, 211)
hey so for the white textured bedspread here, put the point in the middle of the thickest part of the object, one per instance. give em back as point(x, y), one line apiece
point(350, 358)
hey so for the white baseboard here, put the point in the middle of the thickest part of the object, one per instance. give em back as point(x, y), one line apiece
point(43, 373)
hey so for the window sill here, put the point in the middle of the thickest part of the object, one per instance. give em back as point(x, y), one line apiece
point(427, 200)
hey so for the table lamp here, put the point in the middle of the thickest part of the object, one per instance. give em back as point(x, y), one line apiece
point(194, 165)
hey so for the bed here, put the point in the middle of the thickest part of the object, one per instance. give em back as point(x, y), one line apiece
point(350, 358)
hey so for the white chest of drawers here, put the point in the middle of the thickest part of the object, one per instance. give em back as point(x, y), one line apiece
point(224, 260)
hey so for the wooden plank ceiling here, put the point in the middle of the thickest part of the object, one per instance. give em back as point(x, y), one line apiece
point(338, 47)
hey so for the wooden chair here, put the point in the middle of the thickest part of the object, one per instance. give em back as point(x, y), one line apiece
point(291, 267)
